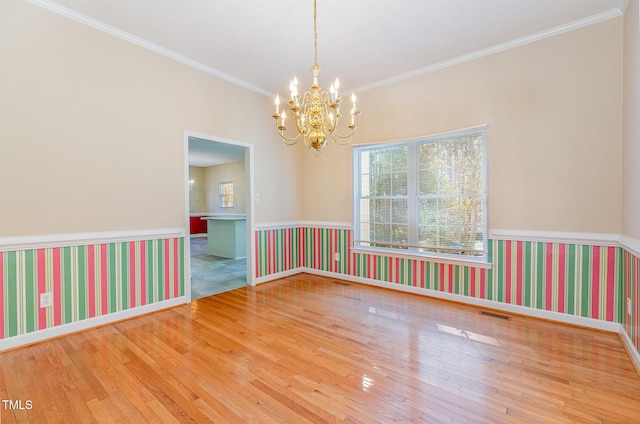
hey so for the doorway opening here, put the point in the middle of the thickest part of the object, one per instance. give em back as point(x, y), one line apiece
point(219, 209)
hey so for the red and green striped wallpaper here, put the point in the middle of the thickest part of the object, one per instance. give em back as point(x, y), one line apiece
point(582, 280)
point(87, 281)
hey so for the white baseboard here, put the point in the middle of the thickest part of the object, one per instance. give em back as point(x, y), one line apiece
point(631, 349)
point(49, 333)
point(277, 275)
point(516, 309)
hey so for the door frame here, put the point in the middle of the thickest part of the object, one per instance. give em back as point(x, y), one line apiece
point(249, 201)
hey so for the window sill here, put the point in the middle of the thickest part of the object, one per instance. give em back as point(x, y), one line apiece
point(476, 263)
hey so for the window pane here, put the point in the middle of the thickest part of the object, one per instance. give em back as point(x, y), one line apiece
point(364, 185)
point(428, 236)
point(400, 158)
point(472, 238)
point(382, 232)
point(428, 155)
point(447, 180)
point(366, 231)
point(471, 211)
point(399, 211)
point(381, 211)
point(380, 185)
point(384, 161)
point(365, 211)
point(427, 212)
point(429, 181)
point(448, 212)
point(400, 234)
point(471, 182)
point(399, 184)
point(364, 162)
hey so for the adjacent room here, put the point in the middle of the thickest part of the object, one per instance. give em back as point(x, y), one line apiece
point(199, 222)
point(217, 217)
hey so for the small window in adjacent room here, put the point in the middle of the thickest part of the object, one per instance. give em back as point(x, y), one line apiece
point(423, 197)
point(226, 195)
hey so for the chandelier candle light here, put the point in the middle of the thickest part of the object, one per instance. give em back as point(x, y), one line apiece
point(316, 112)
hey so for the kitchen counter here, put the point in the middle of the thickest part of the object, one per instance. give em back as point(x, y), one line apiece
point(227, 236)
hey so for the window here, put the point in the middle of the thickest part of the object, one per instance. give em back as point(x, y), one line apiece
point(424, 196)
point(226, 195)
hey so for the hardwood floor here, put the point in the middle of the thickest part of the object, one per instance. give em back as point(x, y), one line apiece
point(312, 349)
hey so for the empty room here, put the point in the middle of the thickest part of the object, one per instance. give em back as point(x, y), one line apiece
point(320, 211)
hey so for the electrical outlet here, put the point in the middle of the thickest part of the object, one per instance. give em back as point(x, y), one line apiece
point(336, 256)
point(629, 306)
point(46, 300)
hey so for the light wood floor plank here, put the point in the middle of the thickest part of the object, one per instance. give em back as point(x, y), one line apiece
point(307, 349)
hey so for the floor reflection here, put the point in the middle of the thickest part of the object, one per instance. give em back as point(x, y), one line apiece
point(469, 335)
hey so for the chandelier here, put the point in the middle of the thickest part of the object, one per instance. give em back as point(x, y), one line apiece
point(316, 113)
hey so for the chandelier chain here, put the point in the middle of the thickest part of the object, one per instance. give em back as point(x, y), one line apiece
point(315, 34)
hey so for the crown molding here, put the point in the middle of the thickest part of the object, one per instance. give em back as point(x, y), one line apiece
point(101, 26)
point(610, 14)
point(623, 5)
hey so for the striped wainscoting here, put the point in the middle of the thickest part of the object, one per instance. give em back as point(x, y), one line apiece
point(278, 250)
point(631, 322)
point(581, 280)
point(87, 281)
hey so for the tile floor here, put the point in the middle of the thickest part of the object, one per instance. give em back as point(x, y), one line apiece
point(213, 274)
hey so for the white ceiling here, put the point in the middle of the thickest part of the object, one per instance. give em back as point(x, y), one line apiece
point(204, 153)
point(261, 44)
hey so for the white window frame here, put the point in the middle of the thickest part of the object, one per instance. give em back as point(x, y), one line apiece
point(222, 195)
point(414, 253)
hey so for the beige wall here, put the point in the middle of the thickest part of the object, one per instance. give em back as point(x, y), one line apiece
point(198, 193)
point(228, 172)
point(554, 110)
point(631, 148)
point(92, 131)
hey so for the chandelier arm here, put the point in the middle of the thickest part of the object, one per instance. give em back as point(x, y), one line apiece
point(348, 136)
point(341, 140)
point(303, 130)
point(328, 124)
point(343, 136)
point(306, 98)
point(290, 141)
